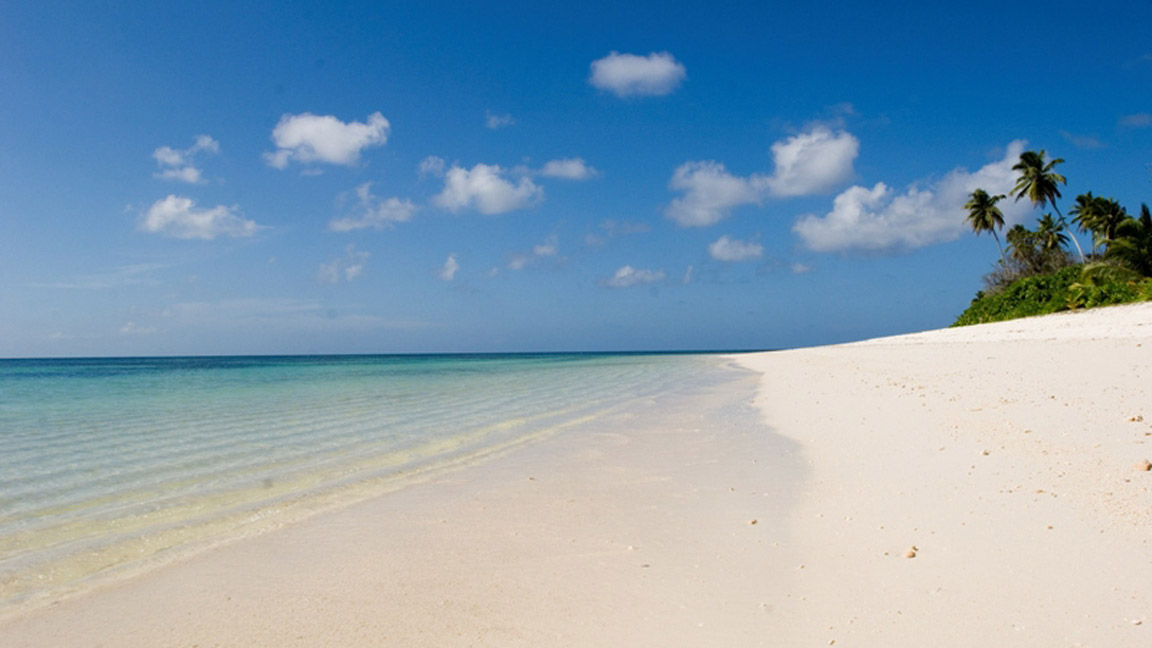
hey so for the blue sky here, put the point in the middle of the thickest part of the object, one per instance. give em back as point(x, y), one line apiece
point(202, 178)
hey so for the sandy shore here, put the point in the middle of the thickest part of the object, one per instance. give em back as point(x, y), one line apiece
point(1005, 454)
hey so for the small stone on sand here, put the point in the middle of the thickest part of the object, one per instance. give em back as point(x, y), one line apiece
point(751, 522)
point(911, 553)
point(1144, 465)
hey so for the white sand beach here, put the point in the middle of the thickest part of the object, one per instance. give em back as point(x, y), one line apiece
point(1008, 456)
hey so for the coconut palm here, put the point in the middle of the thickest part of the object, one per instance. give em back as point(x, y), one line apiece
point(1098, 215)
point(1086, 214)
point(1132, 246)
point(985, 216)
point(1040, 183)
point(1109, 216)
point(1023, 247)
point(1050, 234)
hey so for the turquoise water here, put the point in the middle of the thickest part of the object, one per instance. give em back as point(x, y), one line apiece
point(108, 466)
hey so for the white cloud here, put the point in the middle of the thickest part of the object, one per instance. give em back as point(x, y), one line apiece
point(612, 229)
point(178, 164)
point(485, 188)
point(1137, 120)
point(132, 328)
point(178, 217)
point(550, 247)
point(879, 219)
point(350, 267)
point(189, 174)
point(628, 75)
point(801, 268)
point(1089, 142)
point(729, 249)
point(568, 169)
point(129, 275)
point(494, 121)
point(324, 138)
point(812, 162)
point(710, 192)
point(374, 212)
point(432, 166)
point(447, 272)
point(628, 276)
point(687, 279)
point(807, 163)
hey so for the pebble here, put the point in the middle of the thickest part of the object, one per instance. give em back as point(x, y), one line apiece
point(1143, 465)
point(911, 553)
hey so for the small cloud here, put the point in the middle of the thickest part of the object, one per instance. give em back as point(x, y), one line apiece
point(688, 275)
point(374, 212)
point(129, 275)
point(1082, 141)
point(628, 276)
point(629, 75)
point(1137, 120)
point(612, 229)
point(728, 249)
point(178, 217)
point(447, 272)
point(710, 193)
point(549, 248)
point(801, 268)
point(432, 166)
point(350, 267)
point(487, 189)
point(307, 138)
point(568, 169)
point(132, 328)
point(494, 121)
point(812, 162)
point(178, 165)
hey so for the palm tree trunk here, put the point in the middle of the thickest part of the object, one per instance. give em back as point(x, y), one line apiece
point(1003, 259)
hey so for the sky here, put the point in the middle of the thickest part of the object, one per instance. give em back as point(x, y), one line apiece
point(440, 177)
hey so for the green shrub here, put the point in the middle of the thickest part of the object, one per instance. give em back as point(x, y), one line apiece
point(1048, 293)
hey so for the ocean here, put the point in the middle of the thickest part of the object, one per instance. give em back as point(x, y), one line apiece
point(112, 466)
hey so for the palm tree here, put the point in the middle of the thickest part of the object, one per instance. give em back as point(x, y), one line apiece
point(1086, 215)
point(1132, 246)
point(1023, 247)
point(1040, 183)
point(1110, 215)
point(1050, 233)
point(1098, 215)
point(985, 216)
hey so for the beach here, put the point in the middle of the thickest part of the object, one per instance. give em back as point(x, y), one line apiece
point(983, 485)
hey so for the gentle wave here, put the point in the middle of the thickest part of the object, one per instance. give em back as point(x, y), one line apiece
point(108, 466)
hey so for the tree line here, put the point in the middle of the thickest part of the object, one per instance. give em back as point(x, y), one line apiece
point(1121, 243)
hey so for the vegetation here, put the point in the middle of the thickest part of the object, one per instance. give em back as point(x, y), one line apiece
point(1037, 275)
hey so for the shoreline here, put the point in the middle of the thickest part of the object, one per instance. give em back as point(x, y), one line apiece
point(629, 530)
point(1004, 453)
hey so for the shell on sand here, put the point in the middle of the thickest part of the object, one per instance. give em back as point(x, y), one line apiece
point(1143, 465)
point(911, 553)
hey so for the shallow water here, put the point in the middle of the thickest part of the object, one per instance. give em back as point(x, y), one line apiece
point(109, 466)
